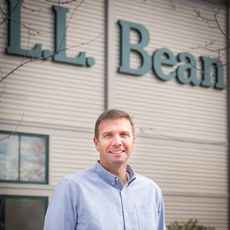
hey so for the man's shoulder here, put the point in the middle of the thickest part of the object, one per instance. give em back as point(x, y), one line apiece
point(79, 176)
point(146, 181)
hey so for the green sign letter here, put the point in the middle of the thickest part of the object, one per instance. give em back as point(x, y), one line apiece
point(186, 73)
point(218, 74)
point(126, 48)
point(60, 41)
point(14, 40)
point(160, 57)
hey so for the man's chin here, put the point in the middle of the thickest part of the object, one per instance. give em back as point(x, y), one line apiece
point(119, 161)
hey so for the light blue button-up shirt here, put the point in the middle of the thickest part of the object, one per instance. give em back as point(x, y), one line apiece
point(94, 199)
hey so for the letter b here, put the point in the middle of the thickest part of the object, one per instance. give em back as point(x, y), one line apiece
point(126, 48)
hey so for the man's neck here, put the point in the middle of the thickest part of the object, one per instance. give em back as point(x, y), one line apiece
point(118, 170)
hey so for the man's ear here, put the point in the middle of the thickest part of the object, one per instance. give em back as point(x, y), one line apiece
point(95, 141)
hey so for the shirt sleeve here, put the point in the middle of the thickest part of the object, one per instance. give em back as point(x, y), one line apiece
point(62, 210)
point(161, 215)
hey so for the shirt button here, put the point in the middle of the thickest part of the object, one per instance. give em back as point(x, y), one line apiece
point(116, 179)
point(126, 214)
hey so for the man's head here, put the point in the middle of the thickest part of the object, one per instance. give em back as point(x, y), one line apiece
point(113, 114)
point(114, 138)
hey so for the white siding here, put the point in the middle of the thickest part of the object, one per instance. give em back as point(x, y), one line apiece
point(209, 211)
point(181, 129)
point(51, 92)
point(56, 99)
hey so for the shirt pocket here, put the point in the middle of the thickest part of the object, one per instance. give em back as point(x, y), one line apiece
point(146, 216)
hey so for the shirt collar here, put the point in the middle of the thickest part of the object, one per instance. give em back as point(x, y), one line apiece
point(110, 178)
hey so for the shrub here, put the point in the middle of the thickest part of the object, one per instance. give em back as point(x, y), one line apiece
point(189, 225)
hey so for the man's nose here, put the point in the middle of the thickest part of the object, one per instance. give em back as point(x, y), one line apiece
point(117, 140)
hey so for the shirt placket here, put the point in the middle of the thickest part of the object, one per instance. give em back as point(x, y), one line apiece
point(124, 208)
point(123, 199)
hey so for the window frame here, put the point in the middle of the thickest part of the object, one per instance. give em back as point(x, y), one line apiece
point(46, 166)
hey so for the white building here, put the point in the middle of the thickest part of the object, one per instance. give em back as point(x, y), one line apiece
point(163, 61)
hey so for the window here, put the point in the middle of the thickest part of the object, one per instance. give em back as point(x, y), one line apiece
point(22, 212)
point(23, 158)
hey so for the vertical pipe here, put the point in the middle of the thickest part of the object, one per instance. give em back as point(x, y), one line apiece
point(228, 99)
point(109, 55)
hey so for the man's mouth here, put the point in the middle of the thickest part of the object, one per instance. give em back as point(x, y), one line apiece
point(120, 151)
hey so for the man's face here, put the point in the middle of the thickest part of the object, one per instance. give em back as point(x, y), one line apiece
point(115, 142)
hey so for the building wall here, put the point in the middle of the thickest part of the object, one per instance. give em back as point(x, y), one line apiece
point(181, 129)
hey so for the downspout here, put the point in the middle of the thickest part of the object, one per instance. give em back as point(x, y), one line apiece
point(109, 54)
point(228, 99)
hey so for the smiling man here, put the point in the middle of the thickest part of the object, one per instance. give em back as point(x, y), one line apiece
point(110, 195)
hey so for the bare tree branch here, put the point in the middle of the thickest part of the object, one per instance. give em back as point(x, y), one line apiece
point(218, 23)
point(23, 63)
point(4, 16)
point(213, 20)
point(27, 8)
point(62, 2)
point(75, 9)
point(16, 68)
point(13, 131)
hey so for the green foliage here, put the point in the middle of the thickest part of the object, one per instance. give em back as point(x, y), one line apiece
point(189, 225)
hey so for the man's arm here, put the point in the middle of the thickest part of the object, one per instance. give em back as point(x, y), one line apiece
point(161, 215)
point(62, 210)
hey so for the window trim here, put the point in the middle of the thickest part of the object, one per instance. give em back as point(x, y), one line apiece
point(46, 168)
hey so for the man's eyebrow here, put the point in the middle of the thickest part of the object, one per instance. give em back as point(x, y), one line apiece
point(106, 132)
point(122, 131)
point(126, 133)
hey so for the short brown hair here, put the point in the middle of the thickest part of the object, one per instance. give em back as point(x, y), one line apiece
point(113, 114)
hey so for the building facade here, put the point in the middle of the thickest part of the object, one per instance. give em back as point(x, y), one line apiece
point(165, 62)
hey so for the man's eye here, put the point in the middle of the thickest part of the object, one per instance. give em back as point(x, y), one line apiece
point(125, 135)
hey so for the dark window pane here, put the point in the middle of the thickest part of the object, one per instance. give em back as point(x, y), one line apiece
point(22, 213)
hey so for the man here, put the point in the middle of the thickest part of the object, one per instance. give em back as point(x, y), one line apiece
point(110, 195)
